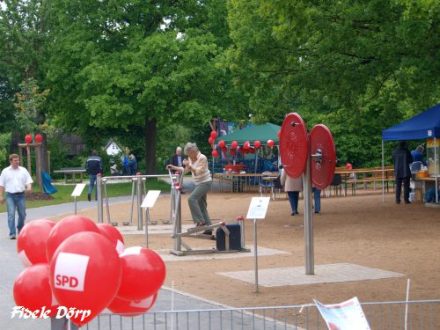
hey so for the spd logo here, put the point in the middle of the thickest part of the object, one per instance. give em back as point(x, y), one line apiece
point(70, 271)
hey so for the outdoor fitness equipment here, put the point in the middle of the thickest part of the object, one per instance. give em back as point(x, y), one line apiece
point(137, 192)
point(138, 188)
point(197, 232)
point(312, 155)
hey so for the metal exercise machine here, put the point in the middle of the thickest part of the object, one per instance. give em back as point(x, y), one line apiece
point(197, 232)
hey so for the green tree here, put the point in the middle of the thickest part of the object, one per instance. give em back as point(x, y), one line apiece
point(358, 66)
point(130, 64)
point(29, 103)
point(23, 36)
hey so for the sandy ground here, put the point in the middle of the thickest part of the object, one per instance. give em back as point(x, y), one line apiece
point(360, 230)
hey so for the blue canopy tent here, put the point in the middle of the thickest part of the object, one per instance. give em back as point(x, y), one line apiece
point(425, 125)
point(422, 126)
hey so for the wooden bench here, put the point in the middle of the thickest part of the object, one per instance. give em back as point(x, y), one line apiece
point(71, 171)
point(375, 176)
point(366, 176)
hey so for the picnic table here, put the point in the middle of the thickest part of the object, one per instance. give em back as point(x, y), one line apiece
point(72, 172)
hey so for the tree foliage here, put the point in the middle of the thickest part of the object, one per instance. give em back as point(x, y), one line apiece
point(132, 64)
point(140, 71)
point(358, 66)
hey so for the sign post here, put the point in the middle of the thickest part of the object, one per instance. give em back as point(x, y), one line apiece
point(148, 202)
point(76, 193)
point(257, 211)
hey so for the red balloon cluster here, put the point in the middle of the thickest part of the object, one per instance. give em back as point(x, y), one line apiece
point(82, 268)
point(211, 141)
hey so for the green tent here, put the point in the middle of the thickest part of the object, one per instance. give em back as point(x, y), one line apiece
point(262, 133)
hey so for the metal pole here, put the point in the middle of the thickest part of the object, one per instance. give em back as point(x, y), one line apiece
point(99, 193)
point(436, 169)
point(147, 220)
point(107, 206)
point(308, 221)
point(256, 255)
point(139, 202)
point(242, 235)
point(383, 173)
point(132, 200)
point(178, 221)
point(75, 208)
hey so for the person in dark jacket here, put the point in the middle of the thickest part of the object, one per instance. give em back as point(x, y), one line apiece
point(93, 167)
point(402, 159)
point(177, 158)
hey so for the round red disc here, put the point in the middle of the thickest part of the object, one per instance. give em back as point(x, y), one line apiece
point(293, 145)
point(323, 169)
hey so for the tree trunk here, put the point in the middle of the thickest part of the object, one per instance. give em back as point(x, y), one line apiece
point(150, 133)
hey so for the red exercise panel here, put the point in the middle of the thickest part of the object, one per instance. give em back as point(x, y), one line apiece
point(293, 145)
point(323, 169)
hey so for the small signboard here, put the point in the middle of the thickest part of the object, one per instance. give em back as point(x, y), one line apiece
point(150, 199)
point(258, 208)
point(78, 189)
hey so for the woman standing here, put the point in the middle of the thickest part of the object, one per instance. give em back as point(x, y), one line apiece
point(292, 186)
point(197, 164)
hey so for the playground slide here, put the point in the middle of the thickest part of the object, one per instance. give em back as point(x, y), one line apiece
point(48, 188)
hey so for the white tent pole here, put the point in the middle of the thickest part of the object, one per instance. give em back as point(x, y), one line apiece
point(383, 173)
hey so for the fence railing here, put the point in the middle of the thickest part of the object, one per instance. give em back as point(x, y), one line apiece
point(411, 315)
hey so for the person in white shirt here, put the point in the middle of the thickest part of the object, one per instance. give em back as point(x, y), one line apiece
point(197, 164)
point(15, 180)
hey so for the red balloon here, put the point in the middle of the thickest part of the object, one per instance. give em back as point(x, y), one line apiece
point(32, 291)
point(213, 134)
point(28, 138)
point(38, 138)
point(246, 145)
point(349, 166)
point(85, 274)
point(68, 226)
point(211, 140)
point(214, 153)
point(31, 242)
point(143, 273)
point(113, 234)
point(270, 143)
point(257, 144)
point(132, 307)
point(234, 145)
point(221, 144)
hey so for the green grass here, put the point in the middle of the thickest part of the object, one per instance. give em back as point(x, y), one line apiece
point(113, 190)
